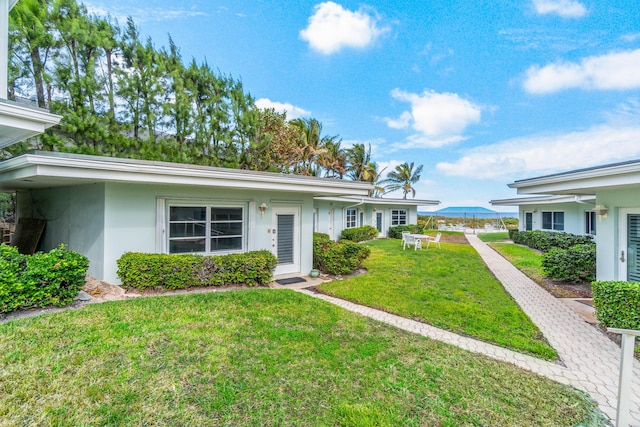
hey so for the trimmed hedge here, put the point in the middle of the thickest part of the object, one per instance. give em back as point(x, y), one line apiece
point(164, 271)
point(575, 264)
point(547, 240)
point(41, 279)
point(617, 304)
point(396, 232)
point(337, 257)
point(360, 234)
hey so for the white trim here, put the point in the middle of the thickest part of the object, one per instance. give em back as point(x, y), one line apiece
point(378, 201)
point(287, 210)
point(75, 169)
point(622, 241)
point(169, 203)
point(161, 225)
point(543, 200)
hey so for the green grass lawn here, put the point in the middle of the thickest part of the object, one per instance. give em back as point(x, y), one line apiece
point(257, 358)
point(527, 260)
point(494, 237)
point(450, 288)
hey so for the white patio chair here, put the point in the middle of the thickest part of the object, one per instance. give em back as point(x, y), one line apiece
point(404, 235)
point(435, 240)
point(409, 240)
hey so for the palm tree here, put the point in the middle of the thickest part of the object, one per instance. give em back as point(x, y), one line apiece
point(375, 179)
point(334, 159)
point(403, 178)
point(311, 145)
point(360, 164)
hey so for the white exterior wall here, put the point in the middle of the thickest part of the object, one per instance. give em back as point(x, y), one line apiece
point(608, 250)
point(332, 216)
point(75, 217)
point(103, 221)
point(574, 216)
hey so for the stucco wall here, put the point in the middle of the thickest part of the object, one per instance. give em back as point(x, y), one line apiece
point(333, 213)
point(75, 217)
point(103, 221)
point(131, 218)
point(574, 215)
point(608, 248)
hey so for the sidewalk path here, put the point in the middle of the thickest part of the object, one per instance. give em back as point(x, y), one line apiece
point(591, 360)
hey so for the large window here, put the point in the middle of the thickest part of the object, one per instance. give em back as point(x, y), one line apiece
point(205, 229)
point(398, 217)
point(553, 221)
point(590, 223)
point(350, 218)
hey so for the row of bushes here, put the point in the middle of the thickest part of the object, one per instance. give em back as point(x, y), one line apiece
point(163, 271)
point(396, 231)
point(547, 240)
point(41, 279)
point(575, 264)
point(566, 256)
point(360, 234)
point(337, 257)
point(617, 304)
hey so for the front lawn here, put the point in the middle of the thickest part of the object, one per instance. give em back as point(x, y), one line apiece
point(527, 260)
point(494, 237)
point(450, 288)
point(257, 357)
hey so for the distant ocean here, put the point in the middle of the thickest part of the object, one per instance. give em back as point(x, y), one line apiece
point(471, 214)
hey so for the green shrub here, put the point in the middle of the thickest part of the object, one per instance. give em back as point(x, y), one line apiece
point(41, 279)
point(617, 304)
point(396, 231)
point(337, 257)
point(163, 271)
point(547, 240)
point(360, 234)
point(574, 264)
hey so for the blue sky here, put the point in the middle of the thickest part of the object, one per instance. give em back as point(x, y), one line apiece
point(479, 92)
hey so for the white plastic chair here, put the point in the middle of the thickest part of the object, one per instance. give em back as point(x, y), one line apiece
point(435, 240)
point(404, 241)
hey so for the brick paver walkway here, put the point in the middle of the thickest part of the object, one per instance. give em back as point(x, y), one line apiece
point(591, 360)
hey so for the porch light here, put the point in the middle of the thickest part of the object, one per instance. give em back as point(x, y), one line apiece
point(601, 210)
point(262, 208)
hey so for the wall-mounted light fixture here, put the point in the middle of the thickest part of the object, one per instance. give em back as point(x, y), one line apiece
point(262, 208)
point(601, 210)
point(535, 210)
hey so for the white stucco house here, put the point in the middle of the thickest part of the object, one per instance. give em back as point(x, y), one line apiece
point(103, 207)
point(569, 213)
point(334, 214)
point(616, 188)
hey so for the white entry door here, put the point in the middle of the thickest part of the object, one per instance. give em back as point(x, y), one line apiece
point(629, 245)
point(285, 239)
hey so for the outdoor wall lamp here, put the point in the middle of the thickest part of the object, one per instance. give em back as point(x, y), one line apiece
point(601, 210)
point(262, 208)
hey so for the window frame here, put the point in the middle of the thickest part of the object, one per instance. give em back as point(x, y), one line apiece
point(397, 217)
point(350, 218)
point(556, 218)
point(590, 223)
point(208, 222)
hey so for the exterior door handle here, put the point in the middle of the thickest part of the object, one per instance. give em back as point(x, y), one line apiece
point(621, 256)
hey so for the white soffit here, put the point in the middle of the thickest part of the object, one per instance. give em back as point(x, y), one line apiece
point(18, 122)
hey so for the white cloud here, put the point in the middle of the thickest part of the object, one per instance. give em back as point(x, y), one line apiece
point(332, 28)
point(543, 154)
point(563, 8)
point(438, 118)
point(613, 71)
point(292, 111)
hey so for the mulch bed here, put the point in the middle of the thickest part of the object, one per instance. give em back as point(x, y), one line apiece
point(566, 290)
